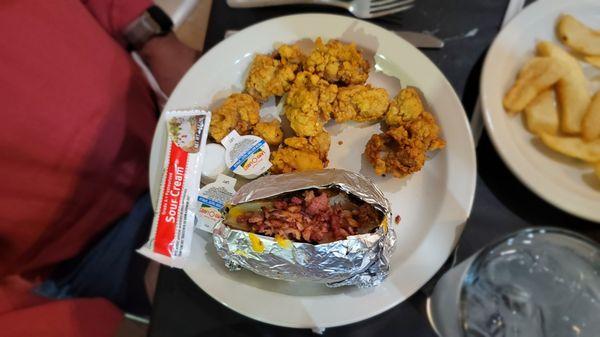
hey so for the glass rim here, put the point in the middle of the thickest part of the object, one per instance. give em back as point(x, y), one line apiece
point(480, 254)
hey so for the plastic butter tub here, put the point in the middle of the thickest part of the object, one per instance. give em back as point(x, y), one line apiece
point(212, 199)
point(247, 156)
point(214, 163)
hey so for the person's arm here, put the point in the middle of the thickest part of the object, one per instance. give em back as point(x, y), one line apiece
point(166, 56)
point(168, 60)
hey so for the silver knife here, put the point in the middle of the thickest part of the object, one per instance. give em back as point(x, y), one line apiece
point(419, 40)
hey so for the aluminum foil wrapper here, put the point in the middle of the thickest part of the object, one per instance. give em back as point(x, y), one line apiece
point(360, 260)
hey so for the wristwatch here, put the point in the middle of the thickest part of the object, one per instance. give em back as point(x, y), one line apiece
point(153, 22)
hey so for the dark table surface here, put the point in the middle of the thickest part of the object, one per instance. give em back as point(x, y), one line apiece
point(502, 203)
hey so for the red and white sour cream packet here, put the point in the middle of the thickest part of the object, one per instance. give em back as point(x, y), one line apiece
point(173, 225)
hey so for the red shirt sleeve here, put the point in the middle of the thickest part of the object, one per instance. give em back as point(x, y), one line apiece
point(75, 145)
point(115, 15)
point(90, 317)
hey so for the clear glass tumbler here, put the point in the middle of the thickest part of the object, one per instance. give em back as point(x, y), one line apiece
point(538, 282)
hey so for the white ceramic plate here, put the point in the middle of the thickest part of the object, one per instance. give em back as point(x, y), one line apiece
point(434, 203)
point(565, 183)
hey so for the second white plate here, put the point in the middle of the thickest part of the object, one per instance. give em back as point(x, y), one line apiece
point(566, 183)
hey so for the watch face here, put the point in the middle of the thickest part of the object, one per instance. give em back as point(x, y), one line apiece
point(161, 18)
point(143, 29)
point(151, 25)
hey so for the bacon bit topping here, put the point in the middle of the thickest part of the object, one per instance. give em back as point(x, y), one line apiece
point(310, 219)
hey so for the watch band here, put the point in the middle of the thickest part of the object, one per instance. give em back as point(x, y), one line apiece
point(153, 22)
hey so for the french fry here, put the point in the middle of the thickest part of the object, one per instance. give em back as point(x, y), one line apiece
point(578, 36)
point(541, 115)
point(597, 170)
point(590, 128)
point(537, 75)
point(574, 147)
point(572, 89)
point(593, 60)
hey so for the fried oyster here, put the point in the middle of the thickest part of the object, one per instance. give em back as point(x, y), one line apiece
point(361, 103)
point(402, 150)
point(318, 144)
point(309, 104)
point(273, 74)
point(302, 153)
point(406, 106)
point(288, 159)
point(269, 131)
point(290, 54)
point(337, 62)
point(238, 112)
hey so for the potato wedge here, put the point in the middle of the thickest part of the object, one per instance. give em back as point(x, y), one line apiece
point(541, 115)
point(578, 36)
point(593, 60)
point(537, 75)
point(590, 128)
point(574, 147)
point(572, 89)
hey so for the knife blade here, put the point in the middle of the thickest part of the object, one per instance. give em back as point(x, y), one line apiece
point(419, 40)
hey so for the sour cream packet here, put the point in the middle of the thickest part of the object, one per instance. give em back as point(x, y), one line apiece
point(173, 225)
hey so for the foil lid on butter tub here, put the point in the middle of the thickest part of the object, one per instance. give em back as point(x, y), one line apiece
point(246, 156)
point(360, 260)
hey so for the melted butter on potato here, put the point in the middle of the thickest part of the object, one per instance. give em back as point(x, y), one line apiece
point(283, 242)
point(256, 243)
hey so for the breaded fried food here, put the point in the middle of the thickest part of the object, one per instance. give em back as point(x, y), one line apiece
point(426, 130)
point(288, 159)
point(301, 109)
point(269, 131)
point(302, 153)
point(403, 150)
point(406, 106)
point(269, 76)
point(361, 103)
point(337, 62)
point(290, 54)
point(274, 74)
point(238, 112)
point(309, 103)
point(318, 144)
point(324, 92)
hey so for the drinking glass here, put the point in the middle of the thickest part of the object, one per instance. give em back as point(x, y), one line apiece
point(537, 282)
